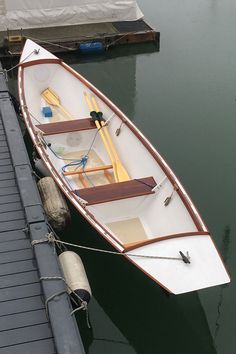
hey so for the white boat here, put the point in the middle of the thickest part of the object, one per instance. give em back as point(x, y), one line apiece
point(118, 182)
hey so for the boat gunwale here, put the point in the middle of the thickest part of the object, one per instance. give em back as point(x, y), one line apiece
point(135, 245)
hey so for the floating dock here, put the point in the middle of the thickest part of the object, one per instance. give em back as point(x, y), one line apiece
point(69, 38)
point(35, 310)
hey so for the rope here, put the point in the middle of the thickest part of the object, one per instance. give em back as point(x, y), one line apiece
point(51, 43)
point(50, 238)
point(83, 304)
point(35, 51)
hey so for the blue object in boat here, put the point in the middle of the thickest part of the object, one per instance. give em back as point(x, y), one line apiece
point(47, 112)
point(91, 47)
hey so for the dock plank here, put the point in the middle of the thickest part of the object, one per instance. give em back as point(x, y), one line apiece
point(12, 236)
point(28, 304)
point(13, 280)
point(8, 183)
point(11, 207)
point(8, 191)
point(4, 148)
point(23, 319)
point(6, 168)
point(17, 267)
point(14, 245)
point(13, 198)
point(6, 175)
point(12, 215)
point(23, 291)
point(4, 155)
point(45, 346)
point(4, 162)
point(13, 225)
point(23, 335)
point(15, 256)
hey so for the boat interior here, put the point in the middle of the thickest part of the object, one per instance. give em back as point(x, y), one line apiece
point(106, 164)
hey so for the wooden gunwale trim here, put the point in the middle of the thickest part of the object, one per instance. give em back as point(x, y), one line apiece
point(196, 218)
point(133, 246)
point(40, 61)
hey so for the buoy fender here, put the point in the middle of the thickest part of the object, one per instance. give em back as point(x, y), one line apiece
point(75, 274)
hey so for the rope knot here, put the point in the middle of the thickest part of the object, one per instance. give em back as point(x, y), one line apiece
point(50, 237)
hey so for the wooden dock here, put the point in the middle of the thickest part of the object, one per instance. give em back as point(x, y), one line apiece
point(69, 38)
point(27, 324)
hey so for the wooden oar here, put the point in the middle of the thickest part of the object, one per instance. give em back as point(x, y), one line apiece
point(122, 174)
point(94, 116)
point(52, 98)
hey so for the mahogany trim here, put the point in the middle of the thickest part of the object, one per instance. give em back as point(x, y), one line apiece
point(66, 126)
point(134, 245)
point(40, 61)
point(117, 191)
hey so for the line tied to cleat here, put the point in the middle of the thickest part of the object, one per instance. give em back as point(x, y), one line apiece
point(185, 258)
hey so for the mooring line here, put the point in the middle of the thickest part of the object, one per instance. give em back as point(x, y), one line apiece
point(51, 239)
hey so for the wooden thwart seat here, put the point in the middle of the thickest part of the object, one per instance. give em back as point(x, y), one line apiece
point(88, 170)
point(118, 190)
point(66, 126)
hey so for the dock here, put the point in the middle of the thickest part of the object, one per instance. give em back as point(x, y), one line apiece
point(69, 38)
point(35, 310)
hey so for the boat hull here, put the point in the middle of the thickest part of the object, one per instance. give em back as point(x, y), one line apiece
point(140, 208)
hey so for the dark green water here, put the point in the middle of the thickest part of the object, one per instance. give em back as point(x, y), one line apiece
point(183, 98)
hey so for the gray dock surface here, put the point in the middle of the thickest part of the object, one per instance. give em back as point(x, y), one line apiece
point(25, 327)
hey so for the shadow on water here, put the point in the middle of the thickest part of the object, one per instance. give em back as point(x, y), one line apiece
point(150, 320)
point(225, 253)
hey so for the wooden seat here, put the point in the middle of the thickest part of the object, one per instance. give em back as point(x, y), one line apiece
point(66, 126)
point(118, 190)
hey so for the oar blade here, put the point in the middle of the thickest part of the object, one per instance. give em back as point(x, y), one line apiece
point(51, 97)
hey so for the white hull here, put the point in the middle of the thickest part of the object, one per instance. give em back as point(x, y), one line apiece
point(130, 213)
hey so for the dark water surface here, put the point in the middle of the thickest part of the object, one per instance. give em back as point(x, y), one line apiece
point(183, 98)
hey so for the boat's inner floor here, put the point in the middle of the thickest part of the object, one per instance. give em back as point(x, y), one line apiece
point(128, 231)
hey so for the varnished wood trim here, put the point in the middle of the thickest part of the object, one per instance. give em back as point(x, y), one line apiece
point(134, 245)
point(66, 126)
point(88, 170)
point(40, 61)
point(83, 181)
point(117, 191)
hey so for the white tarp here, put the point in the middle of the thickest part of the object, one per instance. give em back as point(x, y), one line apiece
point(16, 14)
